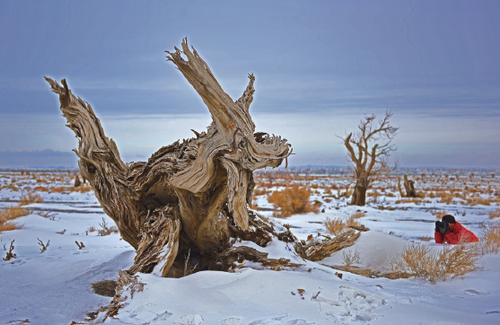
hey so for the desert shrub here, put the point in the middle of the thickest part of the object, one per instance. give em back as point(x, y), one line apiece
point(475, 200)
point(334, 226)
point(439, 214)
point(106, 229)
point(29, 198)
point(349, 259)
point(9, 214)
point(422, 262)
point(446, 198)
point(490, 238)
point(292, 200)
point(495, 214)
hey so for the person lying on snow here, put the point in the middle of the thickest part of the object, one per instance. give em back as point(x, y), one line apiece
point(452, 232)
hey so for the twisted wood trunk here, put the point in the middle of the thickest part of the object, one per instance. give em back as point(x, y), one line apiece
point(190, 198)
point(409, 187)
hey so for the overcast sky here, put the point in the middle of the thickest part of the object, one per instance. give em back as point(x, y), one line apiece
point(320, 67)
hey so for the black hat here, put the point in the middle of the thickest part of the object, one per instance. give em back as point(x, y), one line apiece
point(449, 219)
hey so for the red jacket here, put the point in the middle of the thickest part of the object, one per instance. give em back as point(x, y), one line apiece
point(457, 232)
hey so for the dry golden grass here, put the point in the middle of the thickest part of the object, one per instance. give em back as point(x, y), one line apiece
point(477, 200)
point(9, 214)
point(446, 198)
point(106, 229)
point(292, 200)
point(490, 238)
point(422, 262)
point(439, 214)
point(495, 214)
point(334, 226)
point(29, 198)
point(8, 226)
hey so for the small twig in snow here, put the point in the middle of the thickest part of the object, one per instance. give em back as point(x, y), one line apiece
point(44, 247)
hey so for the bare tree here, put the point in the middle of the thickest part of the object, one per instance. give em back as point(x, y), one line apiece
point(369, 159)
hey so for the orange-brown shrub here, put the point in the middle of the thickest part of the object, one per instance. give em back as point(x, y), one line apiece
point(439, 214)
point(495, 214)
point(446, 198)
point(292, 200)
point(491, 238)
point(475, 200)
point(82, 188)
point(334, 225)
point(9, 214)
point(422, 262)
point(58, 189)
point(30, 198)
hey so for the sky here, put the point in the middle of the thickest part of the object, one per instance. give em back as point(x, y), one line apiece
point(320, 68)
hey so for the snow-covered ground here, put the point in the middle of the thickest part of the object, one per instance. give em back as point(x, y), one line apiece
point(54, 287)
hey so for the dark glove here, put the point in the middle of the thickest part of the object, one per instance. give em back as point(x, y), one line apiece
point(442, 227)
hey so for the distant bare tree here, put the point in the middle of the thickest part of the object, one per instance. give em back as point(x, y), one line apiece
point(370, 160)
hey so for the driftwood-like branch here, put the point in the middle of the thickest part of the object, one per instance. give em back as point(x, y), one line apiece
point(42, 245)
point(318, 250)
point(9, 254)
point(191, 196)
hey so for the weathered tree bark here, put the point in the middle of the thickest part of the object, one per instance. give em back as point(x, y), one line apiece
point(190, 198)
point(409, 187)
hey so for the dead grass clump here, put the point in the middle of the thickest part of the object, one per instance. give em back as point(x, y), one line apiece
point(29, 198)
point(334, 226)
point(422, 262)
point(478, 200)
point(9, 214)
point(350, 259)
point(105, 229)
point(495, 214)
point(490, 238)
point(292, 200)
point(446, 198)
point(8, 226)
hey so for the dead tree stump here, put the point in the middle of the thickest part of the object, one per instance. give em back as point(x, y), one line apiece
point(191, 197)
point(409, 187)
